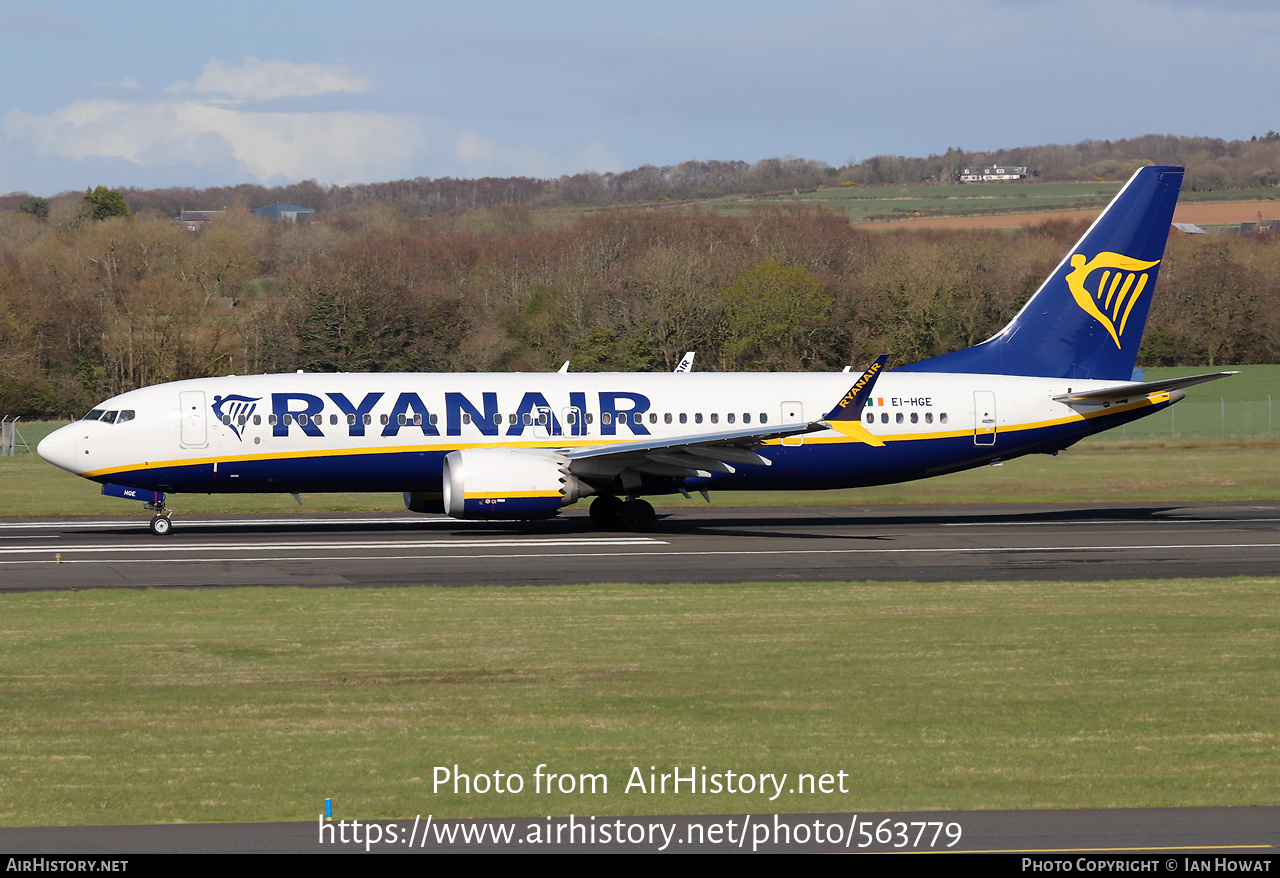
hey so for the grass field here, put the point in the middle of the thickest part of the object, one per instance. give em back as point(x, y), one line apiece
point(878, 203)
point(890, 202)
point(255, 705)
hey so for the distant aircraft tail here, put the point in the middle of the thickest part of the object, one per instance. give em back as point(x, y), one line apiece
point(1086, 320)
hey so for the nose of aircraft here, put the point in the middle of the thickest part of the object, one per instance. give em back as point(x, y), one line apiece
point(59, 448)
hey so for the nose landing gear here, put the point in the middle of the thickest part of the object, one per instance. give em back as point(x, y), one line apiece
point(153, 501)
point(161, 524)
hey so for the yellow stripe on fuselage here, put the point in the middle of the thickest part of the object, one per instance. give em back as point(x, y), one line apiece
point(509, 495)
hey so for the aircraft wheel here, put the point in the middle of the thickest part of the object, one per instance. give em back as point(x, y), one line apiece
point(638, 515)
point(606, 510)
point(161, 525)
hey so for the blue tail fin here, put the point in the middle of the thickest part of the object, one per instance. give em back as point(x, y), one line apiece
point(1086, 320)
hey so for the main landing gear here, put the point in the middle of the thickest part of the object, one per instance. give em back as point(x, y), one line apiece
point(161, 524)
point(610, 512)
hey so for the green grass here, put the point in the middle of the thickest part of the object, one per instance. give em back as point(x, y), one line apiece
point(255, 705)
point(878, 203)
point(890, 202)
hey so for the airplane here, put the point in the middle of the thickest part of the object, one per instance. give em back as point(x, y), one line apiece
point(527, 445)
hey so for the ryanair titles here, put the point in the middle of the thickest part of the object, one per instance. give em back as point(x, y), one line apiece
point(408, 411)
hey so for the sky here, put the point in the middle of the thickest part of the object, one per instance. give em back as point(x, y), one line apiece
point(154, 94)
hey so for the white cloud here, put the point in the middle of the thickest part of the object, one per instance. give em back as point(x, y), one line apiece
point(200, 126)
point(266, 80)
point(256, 80)
point(206, 127)
point(334, 147)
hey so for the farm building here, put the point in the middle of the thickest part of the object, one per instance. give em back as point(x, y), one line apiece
point(991, 174)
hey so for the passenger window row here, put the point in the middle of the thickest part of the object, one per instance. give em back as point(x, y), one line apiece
point(528, 418)
point(901, 418)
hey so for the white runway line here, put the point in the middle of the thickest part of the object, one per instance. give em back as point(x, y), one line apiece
point(991, 550)
point(332, 545)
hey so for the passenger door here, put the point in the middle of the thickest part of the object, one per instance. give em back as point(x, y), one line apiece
point(195, 422)
point(984, 417)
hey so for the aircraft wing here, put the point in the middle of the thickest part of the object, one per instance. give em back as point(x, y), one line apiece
point(700, 455)
point(1133, 390)
point(693, 456)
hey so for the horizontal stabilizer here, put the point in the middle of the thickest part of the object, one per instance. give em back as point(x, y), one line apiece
point(1142, 388)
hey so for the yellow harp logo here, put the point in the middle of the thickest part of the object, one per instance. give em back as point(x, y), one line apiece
point(1118, 289)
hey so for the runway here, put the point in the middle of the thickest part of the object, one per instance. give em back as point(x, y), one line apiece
point(689, 544)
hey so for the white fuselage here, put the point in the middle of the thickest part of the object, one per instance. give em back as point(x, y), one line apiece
point(386, 432)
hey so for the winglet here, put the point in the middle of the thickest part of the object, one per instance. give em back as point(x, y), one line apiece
point(846, 417)
point(850, 408)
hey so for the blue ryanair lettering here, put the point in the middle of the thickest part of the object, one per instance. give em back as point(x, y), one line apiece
point(456, 403)
point(609, 403)
point(578, 402)
point(281, 405)
point(409, 404)
point(366, 406)
point(531, 404)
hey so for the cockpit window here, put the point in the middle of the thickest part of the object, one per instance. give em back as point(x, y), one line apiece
point(112, 417)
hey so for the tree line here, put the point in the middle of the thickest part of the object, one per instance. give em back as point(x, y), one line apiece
point(1212, 164)
point(90, 308)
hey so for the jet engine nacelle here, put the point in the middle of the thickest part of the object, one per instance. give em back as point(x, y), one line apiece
point(507, 484)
